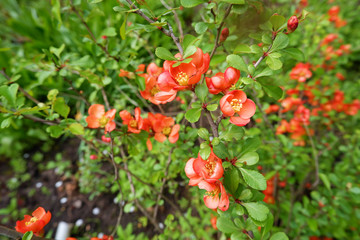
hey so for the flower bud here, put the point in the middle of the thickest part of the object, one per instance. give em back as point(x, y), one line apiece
point(224, 34)
point(292, 24)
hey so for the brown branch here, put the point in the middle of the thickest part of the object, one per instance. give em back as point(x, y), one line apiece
point(163, 183)
point(214, 127)
point(105, 98)
point(10, 233)
point(176, 17)
point(216, 45)
point(168, 33)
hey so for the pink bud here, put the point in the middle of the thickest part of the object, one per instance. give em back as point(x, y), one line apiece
point(93, 157)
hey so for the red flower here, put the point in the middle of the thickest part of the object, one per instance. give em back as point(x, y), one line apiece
point(211, 197)
point(183, 76)
point(199, 169)
point(272, 108)
point(301, 72)
point(93, 157)
point(329, 38)
point(134, 124)
point(224, 34)
point(105, 139)
point(213, 221)
point(222, 81)
point(99, 119)
point(302, 114)
point(334, 11)
point(236, 102)
point(34, 223)
point(164, 127)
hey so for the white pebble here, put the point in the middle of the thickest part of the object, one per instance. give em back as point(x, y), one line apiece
point(96, 211)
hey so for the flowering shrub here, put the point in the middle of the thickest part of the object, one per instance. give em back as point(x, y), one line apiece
point(197, 127)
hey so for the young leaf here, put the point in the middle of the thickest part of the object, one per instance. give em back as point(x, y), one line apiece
point(257, 210)
point(226, 225)
point(201, 91)
point(190, 50)
point(203, 133)
point(191, 3)
point(27, 236)
point(205, 152)
point(76, 129)
point(61, 108)
point(280, 42)
point(242, 48)
point(234, 1)
point(201, 27)
point(254, 179)
point(193, 115)
point(212, 107)
point(164, 54)
point(279, 236)
point(277, 21)
point(250, 158)
point(273, 63)
point(237, 62)
point(9, 92)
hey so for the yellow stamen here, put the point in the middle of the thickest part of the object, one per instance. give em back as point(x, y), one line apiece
point(32, 220)
point(133, 123)
point(154, 91)
point(166, 130)
point(182, 79)
point(103, 121)
point(210, 166)
point(236, 104)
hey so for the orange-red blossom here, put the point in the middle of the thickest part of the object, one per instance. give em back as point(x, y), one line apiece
point(221, 82)
point(34, 223)
point(98, 118)
point(238, 107)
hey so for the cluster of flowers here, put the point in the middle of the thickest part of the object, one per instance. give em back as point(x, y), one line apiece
point(333, 49)
point(334, 17)
point(295, 102)
point(206, 174)
point(34, 223)
point(157, 125)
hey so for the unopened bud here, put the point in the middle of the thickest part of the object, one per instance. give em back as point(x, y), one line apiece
point(224, 34)
point(292, 24)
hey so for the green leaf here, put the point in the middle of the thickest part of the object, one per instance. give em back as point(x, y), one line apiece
point(234, 1)
point(233, 132)
point(212, 107)
point(9, 93)
point(268, 225)
point(325, 180)
point(250, 145)
point(295, 53)
point(109, 32)
point(264, 73)
point(273, 63)
point(220, 150)
point(257, 210)
point(277, 21)
point(57, 51)
point(51, 96)
point(246, 194)
point(203, 133)
point(76, 129)
point(242, 48)
point(190, 50)
point(61, 108)
point(205, 152)
point(123, 29)
point(55, 131)
point(250, 158)
point(27, 236)
point(201, 27)
point(193, 115)
point(256, 49)
point(279, 236)
point(6, 122)
point(164, 54)
point(237, 62)
point(191, 3)
point(273, 91)
point(254, 179)
point(226, 225)
point(201, 91)
point(94, 1)
point(280, 42)
point(91, 77)
point(231, 179)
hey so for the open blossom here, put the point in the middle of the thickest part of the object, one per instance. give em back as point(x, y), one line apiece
point(238, 107)
point(164, 127)
point(134, 123)
point(152, 87)
point(302, 114)
point(301, 72)
point(183, 76)
point(34, 223)
point(211, 197)
point(99, 119)
point(222, 81)
point(198, 169)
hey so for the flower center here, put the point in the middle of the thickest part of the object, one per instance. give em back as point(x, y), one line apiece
point(213, 193)
point(154, 90)
point(210, 166)
point(103, 121)
point(32, 220)
point(133, 123)
point(166, 130)
point(236, 104)
point(182, 79)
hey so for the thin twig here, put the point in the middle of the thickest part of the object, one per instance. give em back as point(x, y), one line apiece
point(214, 127)
point(10, 233)
point(168, 33)
point(163, 183)
point(176, 17)
point(105, 98)
point(216, 45)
